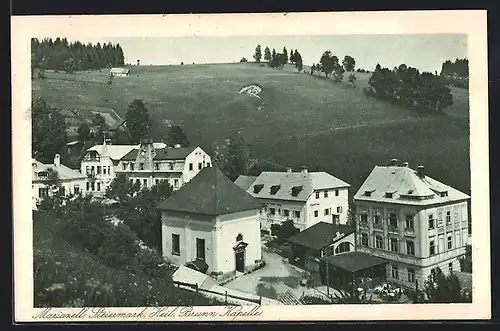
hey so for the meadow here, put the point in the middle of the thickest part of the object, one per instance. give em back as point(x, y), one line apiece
point(298, 120)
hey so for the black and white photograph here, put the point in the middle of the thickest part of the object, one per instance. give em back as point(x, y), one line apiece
point(226, 172)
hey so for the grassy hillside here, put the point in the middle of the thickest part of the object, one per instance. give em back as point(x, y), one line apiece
point(299, 119)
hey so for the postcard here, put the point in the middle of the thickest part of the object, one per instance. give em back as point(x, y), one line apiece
point(251, 167)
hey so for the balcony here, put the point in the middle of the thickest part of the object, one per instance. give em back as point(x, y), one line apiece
point(378, 226)
point(363, 225)
point(392, 229)
point(409, 233)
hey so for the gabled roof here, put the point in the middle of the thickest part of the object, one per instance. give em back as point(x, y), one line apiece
point(115, 152)
point(320, 235)
point(64, 172)
point(245, 181)
point(162, 153)
point(119, 70)
point(354, 261)
point(296, 186)
point(406, 187)
point(210, 192)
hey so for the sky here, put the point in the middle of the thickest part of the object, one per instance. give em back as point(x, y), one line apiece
point(424, 52)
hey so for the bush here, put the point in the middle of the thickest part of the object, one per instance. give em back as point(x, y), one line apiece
point(314, 300)
point(243, 60)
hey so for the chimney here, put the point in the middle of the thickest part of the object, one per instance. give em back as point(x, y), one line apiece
point(394, 162)
point(57, 160)
point(288, 169)
point(421, 171)
point(177, 146)
point(304, 170)
point(406, 164)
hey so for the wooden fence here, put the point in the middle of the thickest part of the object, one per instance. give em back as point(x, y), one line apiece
point(226, 295)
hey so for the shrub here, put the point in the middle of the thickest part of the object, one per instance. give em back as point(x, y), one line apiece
point(314, 300)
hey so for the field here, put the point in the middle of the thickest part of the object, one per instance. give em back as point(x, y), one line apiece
point(298, 120)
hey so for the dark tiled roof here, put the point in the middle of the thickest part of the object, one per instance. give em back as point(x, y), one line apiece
point(320, 235)
point(210, 192)
point(354, 261)
point(245, 181)
point(167, 153)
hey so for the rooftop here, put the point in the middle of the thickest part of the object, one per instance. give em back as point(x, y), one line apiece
point(245, 181)
point(404, 185)
point(297, 186)
point(65, 173)
point(320, 235)
point(210, 192)
point(353, 261)
point(162, 153)
point(119, 70)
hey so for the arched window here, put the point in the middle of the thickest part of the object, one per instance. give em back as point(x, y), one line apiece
point(342, 248)
point(239, 237)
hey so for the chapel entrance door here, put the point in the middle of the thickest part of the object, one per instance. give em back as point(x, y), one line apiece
point(240, 260)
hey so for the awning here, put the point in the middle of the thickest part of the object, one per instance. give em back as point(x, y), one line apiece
point(198, 265)
point(354, 261)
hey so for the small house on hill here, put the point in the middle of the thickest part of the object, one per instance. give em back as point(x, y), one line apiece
point(212, 224)
point(119, 72)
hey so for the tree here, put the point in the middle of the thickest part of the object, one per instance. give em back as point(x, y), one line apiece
point(267, 55)
point(48, 128)
point(98, 122)
point(121, 189)
point(138, 121)
point(177, 136)
point(138, 62)
point(84, 132)
point(313, 69)
point(232, 156)
point(348, 63)
point(338, 72)
point(466, 260)
point(243, 60)
point(273, 54)
point(327, 62)
point(285, 56)
point(441, 288)
point(352, 79)
point(258, 54)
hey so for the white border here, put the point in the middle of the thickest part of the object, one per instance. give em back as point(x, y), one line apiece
point(410, 22)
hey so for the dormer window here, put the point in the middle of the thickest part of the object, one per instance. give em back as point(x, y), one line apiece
point(274, 189)
point(368, 193)
point(257, 188)
point(132, 166)
point(388, 195)
point(296, 190)
point(444, 194)
point(141, 165)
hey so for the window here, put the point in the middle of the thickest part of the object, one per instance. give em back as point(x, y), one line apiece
point(364, 218)
point(92, 186)
point(103, 170)
point(98, 186)
point(444, 194)
point(200, 166)
point(296, 213)
point(157, 181)
point(364, 239)
point(410, 247)
point(450, 242)
point(132, 166)
point(394, 245)
point(76, 189)
point(393, 220)
point(272, 211)
point(98, 170)
point(124, 166)
point(109, 170)
point(317, 195)
point(131, 181)
point(208, 164)
point(409, 222)
point(141, 166)
point(388, 195)
point(342, 248)
point(336, 193)
point(157, 166)
point(87, 170)
point(327, 211)
point(138, 182)
point(448, 218)
point(431, 222)
point(395, 272)
point(145, 182)
point(88, 186)
point(376, 219)
point(325, 194)
point(286, 212)
point(411, 275)
point(450, 267)
point(274, 189)
point(176, 244)
point(200, 249)
point(316, 213)
point(92, 170)
point(379, 242)
point(339, 210)
point(171, 166)
point(190, 166)
point(42, 192)
point(63, 190)
point(432, 248)
point(176, 183)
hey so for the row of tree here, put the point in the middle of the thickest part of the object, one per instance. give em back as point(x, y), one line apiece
point(408, 87)
point(459, 67)
point(59, 54)
point(278, 60)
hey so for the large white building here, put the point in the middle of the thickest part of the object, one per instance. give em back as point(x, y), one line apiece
point(213, 224)
point(72, 181)
point(304, 197)
point(146, 163)
point(412, 220)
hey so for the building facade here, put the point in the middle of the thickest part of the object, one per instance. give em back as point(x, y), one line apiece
point(414, 221)
point(304, 197)
point(72, 181)
point(212, 220)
